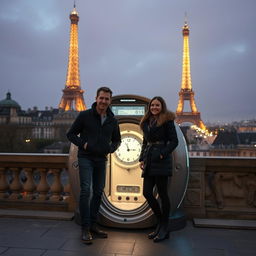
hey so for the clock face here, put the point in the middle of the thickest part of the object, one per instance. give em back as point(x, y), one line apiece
point(129, 150)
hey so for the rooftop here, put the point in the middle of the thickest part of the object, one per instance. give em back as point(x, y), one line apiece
point(9, 102)
point(34, 237)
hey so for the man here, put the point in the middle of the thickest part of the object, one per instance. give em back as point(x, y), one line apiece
point(99, 136)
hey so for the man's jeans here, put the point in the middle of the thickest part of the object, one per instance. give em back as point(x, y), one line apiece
point(92, 181)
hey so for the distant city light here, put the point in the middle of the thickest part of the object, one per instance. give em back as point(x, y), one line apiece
point(201, 132)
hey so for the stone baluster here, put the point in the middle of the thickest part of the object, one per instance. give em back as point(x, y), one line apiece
point(4, 186)
point(16, 186)
point(43, 187)
point(66, 185)
point(67, 190)
point(56, 187)
point(29, 185)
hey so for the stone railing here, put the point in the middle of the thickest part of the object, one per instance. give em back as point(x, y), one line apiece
point(34, 181)
point(219, 187)
point(222, 187)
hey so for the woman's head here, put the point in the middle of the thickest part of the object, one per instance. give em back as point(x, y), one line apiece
point(157, 106)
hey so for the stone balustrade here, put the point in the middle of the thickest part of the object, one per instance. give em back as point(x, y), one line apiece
point(219, 187)
point(34, 181)
point(222, 187)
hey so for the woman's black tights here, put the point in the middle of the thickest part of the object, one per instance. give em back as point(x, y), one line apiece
point(161, 183)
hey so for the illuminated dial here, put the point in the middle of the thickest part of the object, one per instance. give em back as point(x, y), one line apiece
point(129, 150)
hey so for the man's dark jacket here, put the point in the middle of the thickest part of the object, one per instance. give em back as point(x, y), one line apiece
point(101, 139)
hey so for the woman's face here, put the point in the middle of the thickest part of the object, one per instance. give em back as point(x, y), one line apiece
point(155, 107)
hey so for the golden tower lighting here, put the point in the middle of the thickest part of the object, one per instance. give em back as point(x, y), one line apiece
point(72, 98)
point(186, 93)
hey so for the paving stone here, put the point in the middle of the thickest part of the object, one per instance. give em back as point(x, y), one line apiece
point(69, 253)
point(51, 215)
point(29, 241)
point(244, 246)
point(117, 246)
point(22, 252)
point(64, 230)
point(211, 242)
point(79, 246)
point(208, 252)
point(2, 249)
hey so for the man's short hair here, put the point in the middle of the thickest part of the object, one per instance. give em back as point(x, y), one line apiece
point(104, 89)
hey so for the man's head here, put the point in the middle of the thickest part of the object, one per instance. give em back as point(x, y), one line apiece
point(103, 99)
point(104, 89)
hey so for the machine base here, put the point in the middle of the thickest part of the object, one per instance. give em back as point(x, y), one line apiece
point(178, 220)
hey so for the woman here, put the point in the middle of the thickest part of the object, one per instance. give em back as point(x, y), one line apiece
point(159, 141)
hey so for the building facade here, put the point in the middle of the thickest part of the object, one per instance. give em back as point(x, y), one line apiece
point(33, 129)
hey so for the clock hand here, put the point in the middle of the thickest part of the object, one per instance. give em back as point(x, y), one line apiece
point(127, 146)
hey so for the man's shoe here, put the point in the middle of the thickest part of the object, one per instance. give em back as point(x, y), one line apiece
point(97, 232)
point(86, 236)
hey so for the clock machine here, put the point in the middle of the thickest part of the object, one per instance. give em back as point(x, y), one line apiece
point(123, 204)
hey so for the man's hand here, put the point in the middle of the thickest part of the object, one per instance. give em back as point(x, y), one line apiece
point(85, 146)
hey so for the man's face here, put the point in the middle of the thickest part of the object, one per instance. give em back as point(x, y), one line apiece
point(103, 100)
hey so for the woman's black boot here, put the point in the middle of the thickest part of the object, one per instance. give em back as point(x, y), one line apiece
point(162, 234)
point(155, 232)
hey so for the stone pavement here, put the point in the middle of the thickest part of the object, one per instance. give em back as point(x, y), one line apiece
point(39, 237)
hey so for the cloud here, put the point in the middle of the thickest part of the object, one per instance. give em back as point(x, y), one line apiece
point(135, 47)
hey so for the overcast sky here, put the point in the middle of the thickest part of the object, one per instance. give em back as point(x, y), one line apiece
point(134, 47)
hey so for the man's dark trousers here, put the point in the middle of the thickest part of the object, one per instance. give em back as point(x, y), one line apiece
point(92, 175)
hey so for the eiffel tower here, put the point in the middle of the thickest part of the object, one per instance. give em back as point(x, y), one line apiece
point(72, 98)
point(186, 93)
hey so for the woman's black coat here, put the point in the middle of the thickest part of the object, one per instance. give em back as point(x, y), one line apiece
point(158, 140)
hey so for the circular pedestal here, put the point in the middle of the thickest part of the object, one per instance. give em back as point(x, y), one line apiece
point(178, 220)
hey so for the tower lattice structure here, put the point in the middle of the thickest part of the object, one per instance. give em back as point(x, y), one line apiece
point(186, 93)
point(72, 98)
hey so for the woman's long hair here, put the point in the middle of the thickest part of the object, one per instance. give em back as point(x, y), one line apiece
point(163, 116)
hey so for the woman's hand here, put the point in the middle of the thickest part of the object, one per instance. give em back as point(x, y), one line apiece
point(142, 165)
